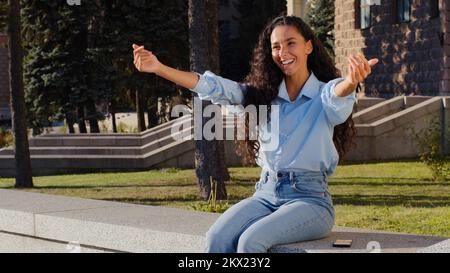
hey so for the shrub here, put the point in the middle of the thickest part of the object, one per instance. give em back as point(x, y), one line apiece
point(6, 138)
point(431, 150)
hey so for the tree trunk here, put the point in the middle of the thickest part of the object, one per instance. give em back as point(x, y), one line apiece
point(24, 177)
point(140, 103)
point(81, 119)
point(70, 122)
point(203, 38)
point(92, 113)
point(152, 111)
point(220, 170)
point(113, 116)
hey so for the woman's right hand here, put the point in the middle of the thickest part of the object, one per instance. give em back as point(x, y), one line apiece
point(144, 60)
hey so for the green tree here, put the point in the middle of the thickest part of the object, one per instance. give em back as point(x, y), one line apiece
point(320, 16)
point(79, 57)
point(161, 27)
point(57, 66)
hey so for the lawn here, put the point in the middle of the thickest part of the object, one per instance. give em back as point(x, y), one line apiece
point(393, 196)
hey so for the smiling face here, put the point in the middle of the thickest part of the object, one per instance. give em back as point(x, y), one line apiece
point(290, 50)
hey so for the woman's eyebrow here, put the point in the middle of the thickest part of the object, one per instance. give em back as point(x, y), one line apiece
point(287, 40)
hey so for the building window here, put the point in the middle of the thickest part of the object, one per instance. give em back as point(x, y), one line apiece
point(402, 10)
point(434, 8)
point(363, 14)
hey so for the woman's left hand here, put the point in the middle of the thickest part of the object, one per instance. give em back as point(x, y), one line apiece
point(359, 68)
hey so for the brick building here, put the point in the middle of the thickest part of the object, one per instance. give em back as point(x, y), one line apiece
point(4, 80)
point(410, 37)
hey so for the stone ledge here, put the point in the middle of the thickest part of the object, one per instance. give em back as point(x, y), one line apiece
point(47, 222)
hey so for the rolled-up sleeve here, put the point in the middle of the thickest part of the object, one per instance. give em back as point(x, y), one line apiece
point(337, 109)
point(219, 90)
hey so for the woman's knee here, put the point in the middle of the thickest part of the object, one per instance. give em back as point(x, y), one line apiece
point(252, 242)
point(218, 242)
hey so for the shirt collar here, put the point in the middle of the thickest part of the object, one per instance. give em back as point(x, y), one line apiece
point(310, 88)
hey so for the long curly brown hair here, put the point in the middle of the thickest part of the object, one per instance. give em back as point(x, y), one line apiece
point(265, 76)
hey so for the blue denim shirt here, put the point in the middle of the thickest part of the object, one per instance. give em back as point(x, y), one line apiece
point(305, 124)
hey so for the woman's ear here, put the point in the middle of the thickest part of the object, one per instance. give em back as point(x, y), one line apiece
point(309, 47)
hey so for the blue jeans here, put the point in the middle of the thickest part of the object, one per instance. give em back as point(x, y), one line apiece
point(287, 207)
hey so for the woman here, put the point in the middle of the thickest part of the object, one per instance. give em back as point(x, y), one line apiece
point(290, 69)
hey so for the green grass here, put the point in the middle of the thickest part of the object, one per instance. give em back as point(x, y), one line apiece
point(393, 196)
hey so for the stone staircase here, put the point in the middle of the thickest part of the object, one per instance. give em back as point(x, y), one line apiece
point(383, 132)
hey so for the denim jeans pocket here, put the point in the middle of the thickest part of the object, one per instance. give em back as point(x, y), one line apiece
point(309, 186)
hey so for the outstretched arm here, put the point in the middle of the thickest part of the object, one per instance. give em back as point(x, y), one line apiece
point(208, 86)
point(145, 61)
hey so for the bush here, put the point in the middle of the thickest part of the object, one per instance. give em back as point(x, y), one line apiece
point(431, 150)
point(6, 138)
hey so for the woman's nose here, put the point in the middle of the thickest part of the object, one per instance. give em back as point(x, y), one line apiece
point(282, 53)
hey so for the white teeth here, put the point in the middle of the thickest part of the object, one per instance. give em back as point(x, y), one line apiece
point(287, 62)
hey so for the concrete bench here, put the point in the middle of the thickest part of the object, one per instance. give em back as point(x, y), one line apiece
point(32, 222)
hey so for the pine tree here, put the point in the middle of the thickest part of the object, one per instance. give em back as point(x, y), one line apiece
point(57, 63)
point(320, 16)
point(79, 57)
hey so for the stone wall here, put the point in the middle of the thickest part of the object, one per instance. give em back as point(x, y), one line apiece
point(411, 53)
point(4, 79)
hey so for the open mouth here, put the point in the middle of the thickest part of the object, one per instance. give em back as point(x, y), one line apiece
point(287, 62)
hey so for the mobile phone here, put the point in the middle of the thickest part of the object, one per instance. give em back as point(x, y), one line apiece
point(342, 243)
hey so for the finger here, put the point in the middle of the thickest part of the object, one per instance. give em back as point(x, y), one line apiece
point(373, 62)
point(138, 49)
point(136, 64)
point(137, 53)
point(140, 54)
point(367, 68)
point(357, 68)
point(363, 68)
point(144, 53)
point(351, 71)
point(357, 61)
point(135, 46)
